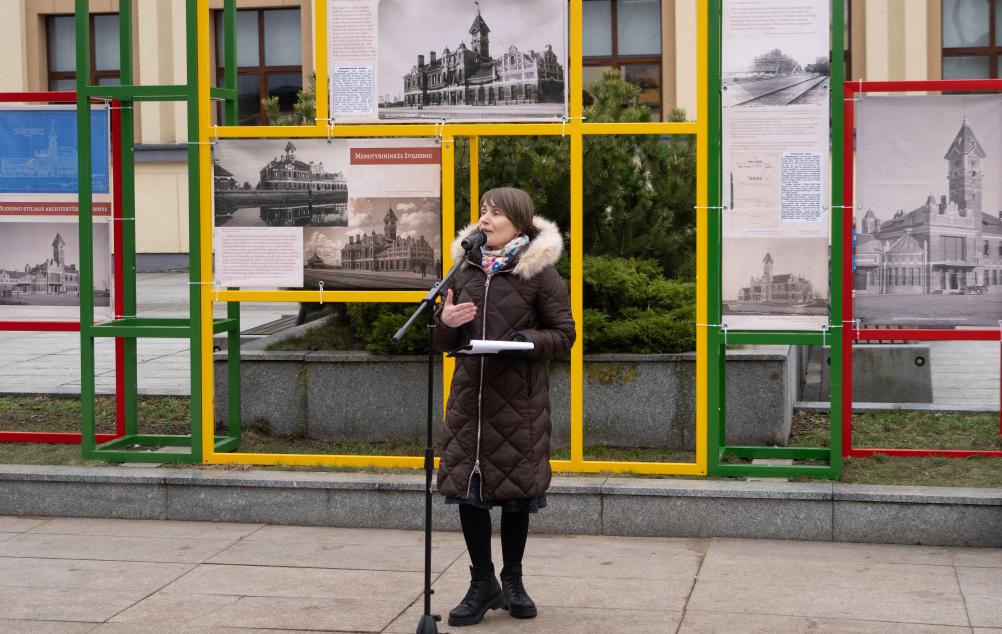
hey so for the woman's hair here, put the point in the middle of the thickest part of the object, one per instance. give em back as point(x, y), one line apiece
point(516, 205)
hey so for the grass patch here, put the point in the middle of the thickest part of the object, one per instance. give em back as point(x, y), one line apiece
point(899, 429)
point(157, 415)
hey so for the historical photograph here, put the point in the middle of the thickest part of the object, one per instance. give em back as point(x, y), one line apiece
point(40, 267)
point(456, 59)
point(783, 277)
point(302, 184)
point(391, 243)
point(928, 215)
point(775, 57)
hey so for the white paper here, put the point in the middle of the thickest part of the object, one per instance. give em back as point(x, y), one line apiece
point(490, 346)
point(253, 257)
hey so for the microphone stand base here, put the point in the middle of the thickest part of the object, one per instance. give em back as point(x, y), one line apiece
point(428, 624)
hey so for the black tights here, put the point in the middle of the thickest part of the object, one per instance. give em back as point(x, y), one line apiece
point(477, 532)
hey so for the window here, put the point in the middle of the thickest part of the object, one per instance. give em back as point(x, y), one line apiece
point(625, 34)
point(60, 33)
point(269, 60)
point(953, 248)
point(972, 39)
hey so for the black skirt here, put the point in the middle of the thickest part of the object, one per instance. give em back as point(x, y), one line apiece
point(517, 505)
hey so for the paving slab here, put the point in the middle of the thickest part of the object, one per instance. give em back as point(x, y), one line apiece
point(638, 558)
point(45, 627)
point(733, 551)
point(555, 620)
point(760, 583)
point(699, 622)
point(139, 628)
point(63, 604)
point(145, 528)
point(578, 592)
point(297, 582)
point(193, 613)
point(978, 557)
point(982, 588)
point(354, 556)
point(387, 537)
point(126, 576)
point(100, 547)
point(5, 536)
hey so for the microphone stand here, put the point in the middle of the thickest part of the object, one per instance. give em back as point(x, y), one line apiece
point(429, 622)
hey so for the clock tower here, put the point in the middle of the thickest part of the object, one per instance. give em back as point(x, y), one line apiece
point(964, 165)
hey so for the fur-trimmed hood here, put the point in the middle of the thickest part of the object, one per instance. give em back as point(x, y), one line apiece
point(542, 251)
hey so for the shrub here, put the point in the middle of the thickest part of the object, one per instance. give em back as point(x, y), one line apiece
point(631, 307)
point(363, 326)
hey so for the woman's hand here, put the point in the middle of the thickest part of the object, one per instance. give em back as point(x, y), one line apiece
point(455, 315)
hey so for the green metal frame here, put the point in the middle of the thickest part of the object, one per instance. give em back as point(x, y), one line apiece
point(719, 338)
point(136, 447)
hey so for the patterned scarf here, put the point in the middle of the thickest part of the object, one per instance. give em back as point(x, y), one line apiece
point(498, 259)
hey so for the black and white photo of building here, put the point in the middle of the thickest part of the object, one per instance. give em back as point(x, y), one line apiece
point(39, 264)
point(793, 280)
point(298, 187)
point(457, 59)
point(929, 216)
point(392, 243)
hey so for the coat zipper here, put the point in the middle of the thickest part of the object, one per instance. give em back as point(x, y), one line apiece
point(480, 392)
point(480, 399)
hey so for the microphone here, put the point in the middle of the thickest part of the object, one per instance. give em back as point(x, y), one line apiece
point(474, 240)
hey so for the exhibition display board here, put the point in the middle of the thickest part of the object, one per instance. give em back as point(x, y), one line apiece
point(766, 195)
point(924, 238)
point(520, 84)
point(40, 263)
point(132, 445)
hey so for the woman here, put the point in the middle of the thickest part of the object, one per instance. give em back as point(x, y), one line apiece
point(496, 443)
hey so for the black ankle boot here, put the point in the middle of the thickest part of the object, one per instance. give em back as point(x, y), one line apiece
point(484, 594)
point(516, 599)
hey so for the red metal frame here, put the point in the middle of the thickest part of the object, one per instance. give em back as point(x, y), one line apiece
point(852, 89)
point(74, 326)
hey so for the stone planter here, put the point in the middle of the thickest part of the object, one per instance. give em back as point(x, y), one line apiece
point(629, 400)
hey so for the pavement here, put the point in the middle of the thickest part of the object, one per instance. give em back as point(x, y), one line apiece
point(49, 362)
point(112, 575)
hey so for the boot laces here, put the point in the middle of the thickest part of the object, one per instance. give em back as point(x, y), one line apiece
point(516, 587)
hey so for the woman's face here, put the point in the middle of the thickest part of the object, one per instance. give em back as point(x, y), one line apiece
point(496, 226)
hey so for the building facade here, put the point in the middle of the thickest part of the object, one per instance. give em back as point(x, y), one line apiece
point(50, 277)
point(770, 288)
point(947, 245)
point(286, 172)
point(388, 252)
point(470, 76)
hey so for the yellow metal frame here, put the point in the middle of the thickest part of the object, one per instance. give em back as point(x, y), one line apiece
point(575, 128)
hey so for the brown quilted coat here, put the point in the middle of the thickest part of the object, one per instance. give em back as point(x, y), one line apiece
point(498, 415)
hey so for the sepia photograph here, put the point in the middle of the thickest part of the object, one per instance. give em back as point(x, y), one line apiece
point(774, 277)
point(302, 184)
point(40, 267)
point(462, 60)
point(392, 243)
point(928, 215)
point(775, 55)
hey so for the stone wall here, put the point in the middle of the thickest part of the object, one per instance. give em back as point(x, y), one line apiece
point(629, 400)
